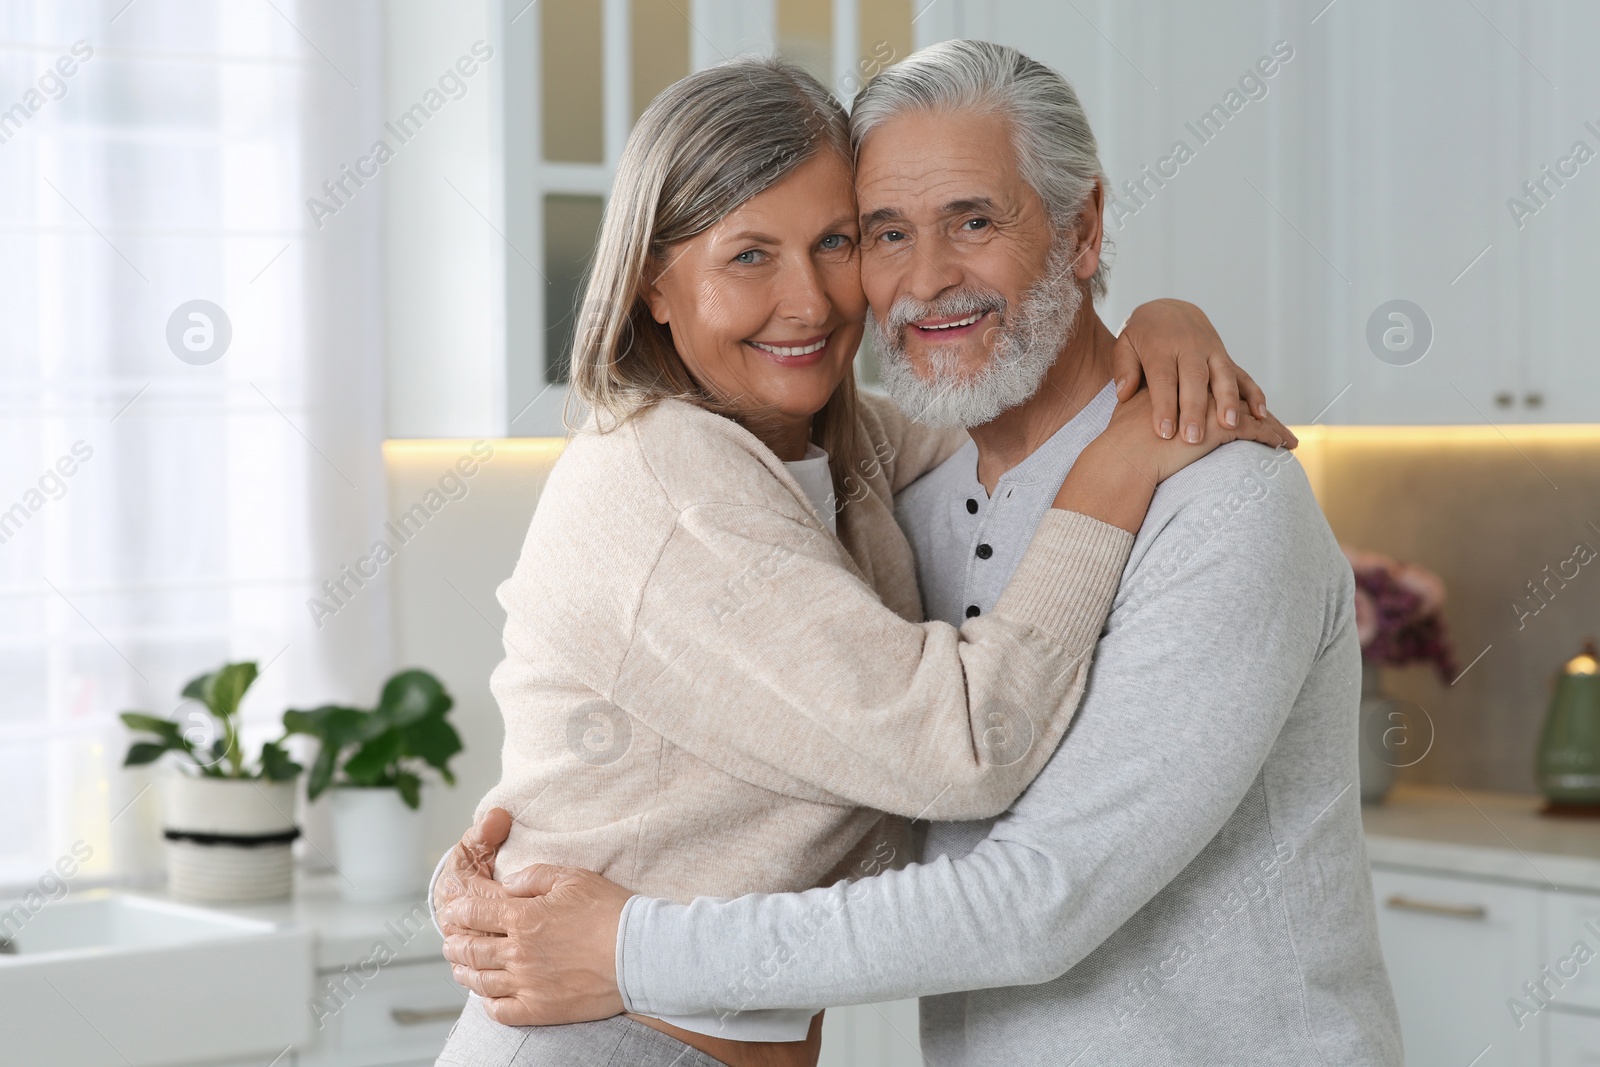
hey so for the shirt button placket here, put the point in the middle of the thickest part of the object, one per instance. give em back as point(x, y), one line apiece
point(983, 551)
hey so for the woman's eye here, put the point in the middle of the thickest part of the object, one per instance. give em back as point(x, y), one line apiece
point(749, 257)
point(834, 241)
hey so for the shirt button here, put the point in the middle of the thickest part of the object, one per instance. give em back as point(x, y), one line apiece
point(972, 506)
point(984, 551)
point(972, 611)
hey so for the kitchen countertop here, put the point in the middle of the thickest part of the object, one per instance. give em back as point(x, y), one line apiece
point(1484, 835)
point(1435, 829)
point(346, 933)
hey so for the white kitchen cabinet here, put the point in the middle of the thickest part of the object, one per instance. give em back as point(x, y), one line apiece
point(1456, 950)
point(1379, 163)
point(1574, 1040)
point(1571, 950)
point(399, 1017)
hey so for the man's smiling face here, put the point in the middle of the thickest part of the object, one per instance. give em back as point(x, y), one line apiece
point(973, 290)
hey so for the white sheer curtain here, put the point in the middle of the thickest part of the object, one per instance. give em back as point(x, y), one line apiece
point(160, 515)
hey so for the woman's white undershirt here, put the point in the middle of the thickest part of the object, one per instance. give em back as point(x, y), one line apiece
point(816, 479)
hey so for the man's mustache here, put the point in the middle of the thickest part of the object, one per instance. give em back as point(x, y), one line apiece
point(958, 303)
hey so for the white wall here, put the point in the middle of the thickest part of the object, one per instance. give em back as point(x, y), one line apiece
point(442, 585)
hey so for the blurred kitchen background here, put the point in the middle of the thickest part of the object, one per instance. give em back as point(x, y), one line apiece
point(278, 273)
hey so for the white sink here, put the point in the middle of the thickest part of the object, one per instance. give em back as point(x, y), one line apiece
point(118, 979)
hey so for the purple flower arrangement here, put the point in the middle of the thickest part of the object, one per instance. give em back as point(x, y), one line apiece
point(1399, 614)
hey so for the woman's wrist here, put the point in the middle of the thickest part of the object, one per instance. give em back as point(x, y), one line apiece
point(1110, 485)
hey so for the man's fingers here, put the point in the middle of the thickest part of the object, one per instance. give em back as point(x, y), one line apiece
point(485, 983)
point(494, 827)
point(489, 915)
point(537, 879)
point(1125, 367)
point(1225, 389)
point(480, 845)
point(484, 886)
point(508, 1012)
point(453, 885)
point(490, 831)
point(478, 952)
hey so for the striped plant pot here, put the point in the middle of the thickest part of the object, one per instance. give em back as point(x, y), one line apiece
point(229, 839)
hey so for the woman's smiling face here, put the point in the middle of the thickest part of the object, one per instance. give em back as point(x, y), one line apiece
point(765, 307)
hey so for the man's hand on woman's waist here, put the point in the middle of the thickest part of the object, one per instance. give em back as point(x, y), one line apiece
point(540, 948)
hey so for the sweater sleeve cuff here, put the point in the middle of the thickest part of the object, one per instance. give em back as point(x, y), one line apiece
point(1068, 578)
point(438, 868)
point(629, 954)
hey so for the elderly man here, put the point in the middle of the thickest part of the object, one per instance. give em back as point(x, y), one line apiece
point(1186, 881)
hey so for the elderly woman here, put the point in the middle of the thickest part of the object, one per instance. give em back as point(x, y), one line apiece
point(718, 677)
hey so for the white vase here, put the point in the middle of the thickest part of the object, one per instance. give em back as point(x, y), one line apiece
point(379, 840)
point(229, 839)
point(1376, 762)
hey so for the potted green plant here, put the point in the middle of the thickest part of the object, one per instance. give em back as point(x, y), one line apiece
point(374, 760)
point(229, 821)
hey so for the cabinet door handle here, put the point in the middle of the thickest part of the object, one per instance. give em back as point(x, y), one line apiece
point(1533, 400)
point(1454, 911)
point(418, 1016)
point(1504, 400)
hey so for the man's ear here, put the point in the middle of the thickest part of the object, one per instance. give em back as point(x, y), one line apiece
point(1091, 233)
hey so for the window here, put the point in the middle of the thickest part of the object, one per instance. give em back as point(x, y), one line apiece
point(189, 437)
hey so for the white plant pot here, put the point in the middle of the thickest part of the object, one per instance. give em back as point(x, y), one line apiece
point(229, 839)
point(380, 845)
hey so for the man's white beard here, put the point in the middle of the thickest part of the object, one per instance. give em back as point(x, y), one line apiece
point(1025, 347)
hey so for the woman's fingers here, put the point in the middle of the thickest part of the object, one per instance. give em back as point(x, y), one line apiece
point(1255, 400)
point(1225, 382)
point(1194, 394)
point(1278, 429)
point(1161, 380)
point(1268, 431)
point(1125, 369)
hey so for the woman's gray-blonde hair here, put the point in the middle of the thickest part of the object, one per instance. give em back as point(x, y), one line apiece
point(707, 144)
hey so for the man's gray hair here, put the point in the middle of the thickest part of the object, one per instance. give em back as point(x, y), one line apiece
point(1056, 150)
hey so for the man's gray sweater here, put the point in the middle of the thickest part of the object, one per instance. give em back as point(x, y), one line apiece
point(1186, 881)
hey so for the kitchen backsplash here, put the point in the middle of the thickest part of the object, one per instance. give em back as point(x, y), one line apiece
point(1512, 524)
point(1487, 514)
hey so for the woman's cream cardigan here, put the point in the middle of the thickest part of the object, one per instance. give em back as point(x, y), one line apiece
point(706, 693)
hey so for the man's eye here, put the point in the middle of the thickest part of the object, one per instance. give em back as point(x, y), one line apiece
point(975, 224)
point(892, 235)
